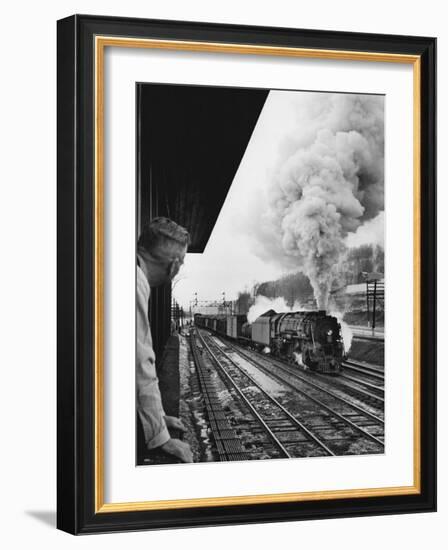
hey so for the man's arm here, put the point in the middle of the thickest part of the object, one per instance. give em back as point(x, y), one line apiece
point(149, 401)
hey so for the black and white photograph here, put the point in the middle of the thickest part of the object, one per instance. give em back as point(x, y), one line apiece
point(260, 274)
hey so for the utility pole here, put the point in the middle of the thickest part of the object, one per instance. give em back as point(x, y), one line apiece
point(374, 294)
point(374, 305)
point(367, 297)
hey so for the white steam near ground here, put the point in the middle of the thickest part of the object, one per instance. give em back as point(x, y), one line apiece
point(326, 191)
point(263, 304)
point(346, 332)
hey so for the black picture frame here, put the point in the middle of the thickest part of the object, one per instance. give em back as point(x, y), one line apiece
point(76, 510)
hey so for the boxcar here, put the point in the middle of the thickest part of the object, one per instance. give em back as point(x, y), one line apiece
point(234, 325)
point(221, 325)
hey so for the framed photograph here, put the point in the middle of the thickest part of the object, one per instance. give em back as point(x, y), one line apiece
point(246, 274)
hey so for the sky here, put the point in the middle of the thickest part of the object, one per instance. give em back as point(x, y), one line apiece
point(228, 263)
point(321, 155)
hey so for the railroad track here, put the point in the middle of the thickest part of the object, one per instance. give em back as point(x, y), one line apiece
point(371, 394)
point(367, 380)
point(363, 391)
point(366, 424)
point(374, 371)
point(287, 434)
point(368, 393)
point(227, 442)
point(334, 421)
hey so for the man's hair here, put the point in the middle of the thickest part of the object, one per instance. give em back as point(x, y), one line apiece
point(160, 234)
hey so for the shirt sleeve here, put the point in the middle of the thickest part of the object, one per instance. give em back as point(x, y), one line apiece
point(149, 401)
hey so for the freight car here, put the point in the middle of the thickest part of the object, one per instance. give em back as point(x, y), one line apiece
point(311, 339)
point(225, 325)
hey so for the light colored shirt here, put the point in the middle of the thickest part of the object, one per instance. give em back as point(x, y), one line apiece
point(149, 401)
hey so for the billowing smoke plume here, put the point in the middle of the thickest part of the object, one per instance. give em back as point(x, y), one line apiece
point(371, 232)
point(328, 182)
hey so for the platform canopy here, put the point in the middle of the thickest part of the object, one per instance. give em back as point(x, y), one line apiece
point(191, 142)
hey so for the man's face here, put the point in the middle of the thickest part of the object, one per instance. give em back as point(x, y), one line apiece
point(165, 266)
point(177, 262)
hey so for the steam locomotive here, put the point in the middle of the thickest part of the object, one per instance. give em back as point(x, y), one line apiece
point(311, 339)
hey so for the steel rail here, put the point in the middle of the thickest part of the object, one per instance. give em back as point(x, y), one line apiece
point(320, 403)
point(363, 369)
point(276, 402)
point(367, 384)
point(228, 444)
point(244, 398)
point(288, 369)
point(292, 418)
point(339, 382)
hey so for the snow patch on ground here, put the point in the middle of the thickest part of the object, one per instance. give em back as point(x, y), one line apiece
point(267, 383)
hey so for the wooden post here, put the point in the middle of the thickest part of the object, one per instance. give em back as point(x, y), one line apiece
point(367, 298)
point(374, 305)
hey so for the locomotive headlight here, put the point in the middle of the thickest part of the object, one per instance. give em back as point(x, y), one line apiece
point(330, 332)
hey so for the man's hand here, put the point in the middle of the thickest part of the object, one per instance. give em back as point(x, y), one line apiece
point(174, 422)
point(178, 448)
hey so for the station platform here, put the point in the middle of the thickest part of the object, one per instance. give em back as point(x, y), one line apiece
point(169, 384)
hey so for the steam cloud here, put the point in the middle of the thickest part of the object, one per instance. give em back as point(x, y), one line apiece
point(327, 185)
point(263, 304)
point(346, 331)
point(371, 232)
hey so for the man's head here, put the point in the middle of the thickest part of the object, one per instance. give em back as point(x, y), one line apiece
point(162, 246)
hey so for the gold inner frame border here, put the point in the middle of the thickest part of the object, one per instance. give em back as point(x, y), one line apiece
point(100, 43)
